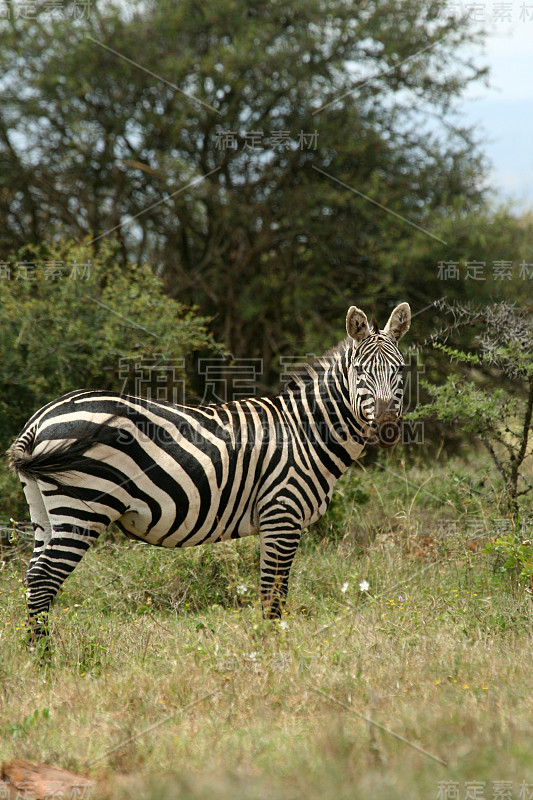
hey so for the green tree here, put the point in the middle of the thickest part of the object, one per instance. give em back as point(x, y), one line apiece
point(272, 240)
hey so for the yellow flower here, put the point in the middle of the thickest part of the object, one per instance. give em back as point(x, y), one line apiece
point(436, 683)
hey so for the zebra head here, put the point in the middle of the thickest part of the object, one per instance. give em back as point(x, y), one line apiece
point(375, 374)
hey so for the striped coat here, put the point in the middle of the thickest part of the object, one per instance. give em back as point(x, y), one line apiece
point(178, 476)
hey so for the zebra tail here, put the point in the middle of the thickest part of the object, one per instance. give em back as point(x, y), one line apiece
point(67, 456)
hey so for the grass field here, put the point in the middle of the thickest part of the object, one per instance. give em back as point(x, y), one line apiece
point(437, 650)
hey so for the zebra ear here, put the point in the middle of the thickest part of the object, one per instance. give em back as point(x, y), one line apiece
point(399, 321)
point(357, 324)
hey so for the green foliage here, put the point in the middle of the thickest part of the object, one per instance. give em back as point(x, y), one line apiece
point(457, 355)
point(489, 393)
point(91, 658)
point(195, 579)
point(350, 493)
point(21, 730)
point(514, 555)
point(84, 329)
point(13, 502)
point(461, 401)
point(271, 247)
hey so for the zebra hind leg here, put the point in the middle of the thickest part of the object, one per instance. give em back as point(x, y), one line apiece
point(277, 553)
point(42, 527)
point(42, 531)
point(71, 537)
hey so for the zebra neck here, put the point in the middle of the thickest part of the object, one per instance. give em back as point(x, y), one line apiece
point(320, 398)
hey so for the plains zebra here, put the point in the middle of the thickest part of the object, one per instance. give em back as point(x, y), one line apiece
point(178, 476)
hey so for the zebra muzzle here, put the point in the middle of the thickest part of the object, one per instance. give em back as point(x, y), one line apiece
point(385, 432)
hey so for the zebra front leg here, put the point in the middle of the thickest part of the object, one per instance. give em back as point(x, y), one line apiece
point(277, 554)
point(54, 564)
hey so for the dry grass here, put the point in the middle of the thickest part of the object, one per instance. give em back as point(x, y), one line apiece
point(438, 651)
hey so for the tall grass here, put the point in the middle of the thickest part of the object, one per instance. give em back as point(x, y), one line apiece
point(437, 650)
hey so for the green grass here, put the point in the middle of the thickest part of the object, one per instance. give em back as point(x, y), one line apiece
point(438, 650)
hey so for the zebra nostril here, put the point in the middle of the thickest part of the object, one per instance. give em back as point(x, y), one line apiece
point(374, 425)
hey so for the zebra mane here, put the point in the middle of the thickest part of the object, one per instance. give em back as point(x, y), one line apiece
point(305, 371)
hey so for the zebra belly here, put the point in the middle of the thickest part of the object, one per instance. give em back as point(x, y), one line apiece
point(137, 524)
point(202, 510)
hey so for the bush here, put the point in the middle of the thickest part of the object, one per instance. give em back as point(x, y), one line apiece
point(490, 393)
point(70, 319)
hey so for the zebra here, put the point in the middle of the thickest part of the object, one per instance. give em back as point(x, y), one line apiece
point(182, 475)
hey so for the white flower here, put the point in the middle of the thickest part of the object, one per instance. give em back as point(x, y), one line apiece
point(284, 625)
point(252, 656)
point(241, 588)
point(364, 586)
point(344, 587)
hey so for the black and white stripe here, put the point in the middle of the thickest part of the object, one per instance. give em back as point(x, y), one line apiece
point(178, 476)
